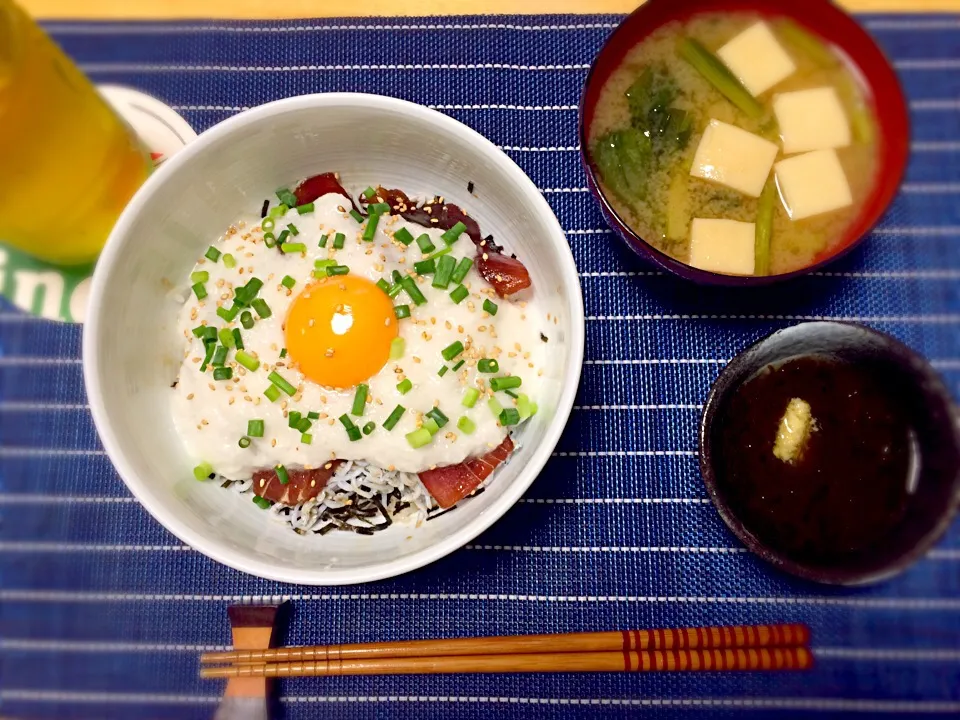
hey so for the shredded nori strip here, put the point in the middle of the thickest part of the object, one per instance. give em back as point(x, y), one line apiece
point(265, 209)
point(470, 187)
point(543, 337)
point(434, 516)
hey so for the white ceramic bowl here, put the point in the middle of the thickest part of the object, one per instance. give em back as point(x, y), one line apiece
point(131, 349)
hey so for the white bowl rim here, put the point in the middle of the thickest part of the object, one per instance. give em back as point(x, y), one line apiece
point(210, 546)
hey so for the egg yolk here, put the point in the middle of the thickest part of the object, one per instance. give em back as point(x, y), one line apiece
point(339, 330)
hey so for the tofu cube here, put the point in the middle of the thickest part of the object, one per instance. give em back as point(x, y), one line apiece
point(756, 58)
point(733, 157)
point(812, 184)
point(811, 120)
point(722, 246)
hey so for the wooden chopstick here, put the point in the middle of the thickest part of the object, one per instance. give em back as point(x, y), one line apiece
point(739, 636)
point(730, 659)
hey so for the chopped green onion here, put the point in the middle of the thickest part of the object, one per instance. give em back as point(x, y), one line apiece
point(201, 276)
point(443, 370)
point(323, 265)
point(283, 352)
point(223, 373)
point(245, 294)
point(445, 251)
point(200, 290)
point(281, 382)
point(470, 397)
point(401, 311)
point(425, 267)
point(502, 383)
point(466, 425)
point(512, 394)
point(453, 234)
point(425, 244)
point(452, 350)
point(403, 235)
point(212, 254)
point(369, 427)
point(394, 290)
point(288, 282)
point(458, 365)
point(305, 208)
point(203, 471)
point(489, 307)
point(219, 356)
point(286, 197)
point(338, 241)
point(509, 416)
point(208, 355)
point(261, 503)
point(304, 424)
point(199, 331)
point(405, 386)
point(288, 248)
point(445, 266)
point(397, 347)
point(764, 228)
point(255, 428)
point(459, 294)
point(282, 474)
point(293, 229)
point(244, 442)
point(261, 308)
point(210, 334)
point(282, 238)
point(279, 210)
point(247, 360)
point(397, 277)
point(229, 261)
point(393, 418)
point(347, 421)
point(338, 270)
point(495, 407)
point(370, 193)
point(229, 313)
point(488, 365)
point(226, 337)
point(353, 432)
point(293, 417)
point(410, 285)
point(418, 438)
point(272, 393)
point(431, 425)
point(356, 216)
point(360, 399)
point(269, 239)
point(323, 240)
point(378, 208)
point(306, 439)
point(460, 272)
point(268, 224)
point(525, 407)
point(383, 285)
point(438, 417)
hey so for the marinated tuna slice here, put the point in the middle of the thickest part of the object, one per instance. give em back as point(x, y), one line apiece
point(505, 274)
point(318, 186)
point(450, 484)
point(303, 485)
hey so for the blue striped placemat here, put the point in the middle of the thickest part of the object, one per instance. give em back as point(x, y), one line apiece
point(103, 613)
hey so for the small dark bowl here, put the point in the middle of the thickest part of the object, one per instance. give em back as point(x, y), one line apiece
point(820, 17)
point(932, 414)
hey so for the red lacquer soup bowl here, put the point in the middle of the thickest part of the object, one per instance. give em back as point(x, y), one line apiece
point(881, 89)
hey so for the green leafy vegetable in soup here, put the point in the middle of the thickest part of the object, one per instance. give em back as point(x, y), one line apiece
point(733, 118)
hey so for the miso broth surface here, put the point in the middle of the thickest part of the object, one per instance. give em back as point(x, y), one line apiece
point(794, 244)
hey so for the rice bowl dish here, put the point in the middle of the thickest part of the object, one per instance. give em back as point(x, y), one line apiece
point(355, 359)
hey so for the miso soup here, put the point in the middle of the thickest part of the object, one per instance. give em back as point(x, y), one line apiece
point(735, 144)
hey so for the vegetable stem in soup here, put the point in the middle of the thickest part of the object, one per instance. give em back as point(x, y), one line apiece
point(654, 110)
